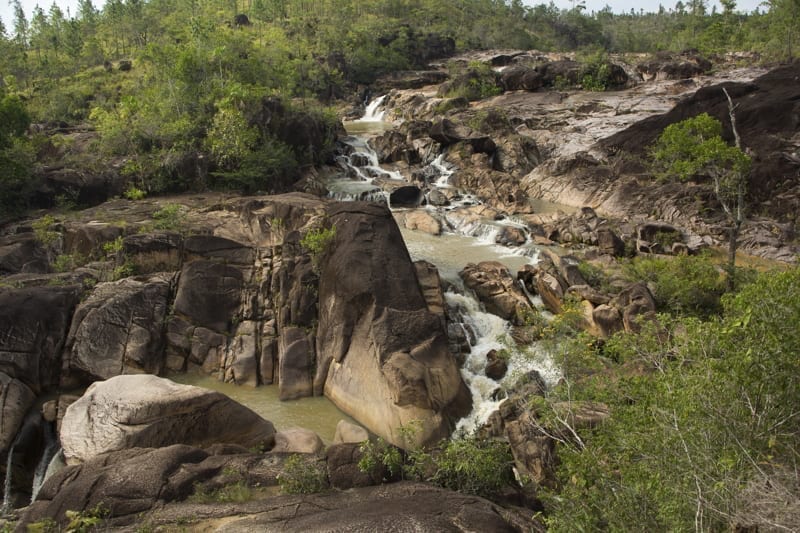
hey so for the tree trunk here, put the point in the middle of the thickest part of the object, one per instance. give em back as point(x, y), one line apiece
point(732, 246)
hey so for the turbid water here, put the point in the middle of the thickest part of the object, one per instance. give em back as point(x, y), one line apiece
point(318, 414)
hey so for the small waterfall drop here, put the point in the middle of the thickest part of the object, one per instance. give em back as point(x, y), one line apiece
point(373, 112)
point(443, 181)
point(490, 332)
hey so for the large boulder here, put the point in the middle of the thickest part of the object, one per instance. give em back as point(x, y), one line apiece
point(382, 356)
point(147, 411)
point(446, 132)
point(118, 329)
point(497, 290)
point(34, 323)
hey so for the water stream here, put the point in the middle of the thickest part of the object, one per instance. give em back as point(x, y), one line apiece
point(466, 240)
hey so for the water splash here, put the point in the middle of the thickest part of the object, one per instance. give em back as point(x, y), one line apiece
point(373, 112)
point(493, 333)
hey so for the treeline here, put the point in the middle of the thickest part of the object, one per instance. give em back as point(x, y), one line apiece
point(206, 75)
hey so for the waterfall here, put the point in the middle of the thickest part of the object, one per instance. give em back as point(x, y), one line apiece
point(490, 332)
point(443, 181)
point(372, 113)
point(51, 448)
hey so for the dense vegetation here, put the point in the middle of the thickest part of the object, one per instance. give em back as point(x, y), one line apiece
point(704, 426)
point(183, 94)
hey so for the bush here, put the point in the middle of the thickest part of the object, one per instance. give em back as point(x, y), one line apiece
point(689, 285)
point(477, 82)
point(301, 475)
point(474, 466)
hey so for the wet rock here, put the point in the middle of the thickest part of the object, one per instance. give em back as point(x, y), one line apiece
point(118, 329)
point(409, 79)
point(609, 243)
point(209, 293)
point(406, 196)
point(666, 66)
point(297, 440)
point(124, 483)
point(521, 78)
point(419, 220)
point(496, 365)
point(497, 289)
point(153, 252)
point(511, 236)
point(22, 253)
point(608, 320)
point(147, 411)
point(447, 133)
point(382, 355)
point(390, 508)
point(636, 303)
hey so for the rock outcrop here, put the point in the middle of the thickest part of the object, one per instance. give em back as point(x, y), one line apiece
point(497, 289)
point(119, 328)
point(147, 411)
point(376, 338)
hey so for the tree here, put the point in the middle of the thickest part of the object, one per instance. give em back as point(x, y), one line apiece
point(694, 147)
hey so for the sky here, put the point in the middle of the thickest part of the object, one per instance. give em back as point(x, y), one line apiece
point(617, 6)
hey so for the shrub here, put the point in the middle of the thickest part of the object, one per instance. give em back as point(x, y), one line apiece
point(43, 232)
point(301, 475)
point(474, 466)
point(381, 456)
point(683, 284)
point(133, 193)
point(169, 217)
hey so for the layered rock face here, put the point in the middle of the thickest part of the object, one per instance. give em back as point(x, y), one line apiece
point(150, 412)
point(382, 355)
point(235, 291)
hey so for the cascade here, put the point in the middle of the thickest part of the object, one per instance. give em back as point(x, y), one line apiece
point(466, 240)
point(373, 113)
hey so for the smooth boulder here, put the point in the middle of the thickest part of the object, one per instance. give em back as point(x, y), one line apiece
point(147, 411)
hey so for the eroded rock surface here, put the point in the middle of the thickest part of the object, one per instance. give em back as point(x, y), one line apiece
point(376, 337)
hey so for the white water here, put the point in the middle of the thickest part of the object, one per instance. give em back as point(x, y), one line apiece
point(373, 112)
point(467, 239)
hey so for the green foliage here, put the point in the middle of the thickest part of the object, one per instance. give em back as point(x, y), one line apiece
point(684, 285)
point(125, 270)
point(112, 248)
point(134, 194)
point(16, 155)
point(301, 475)
point(474, 466)
point(169, 218)
point(706, 425)
point(380, 456)
point(85, 521)
point(476, 82)
point(695, 147)
point(46, 525)
point(67, 262)
point(318, 241)
point(42, 230)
